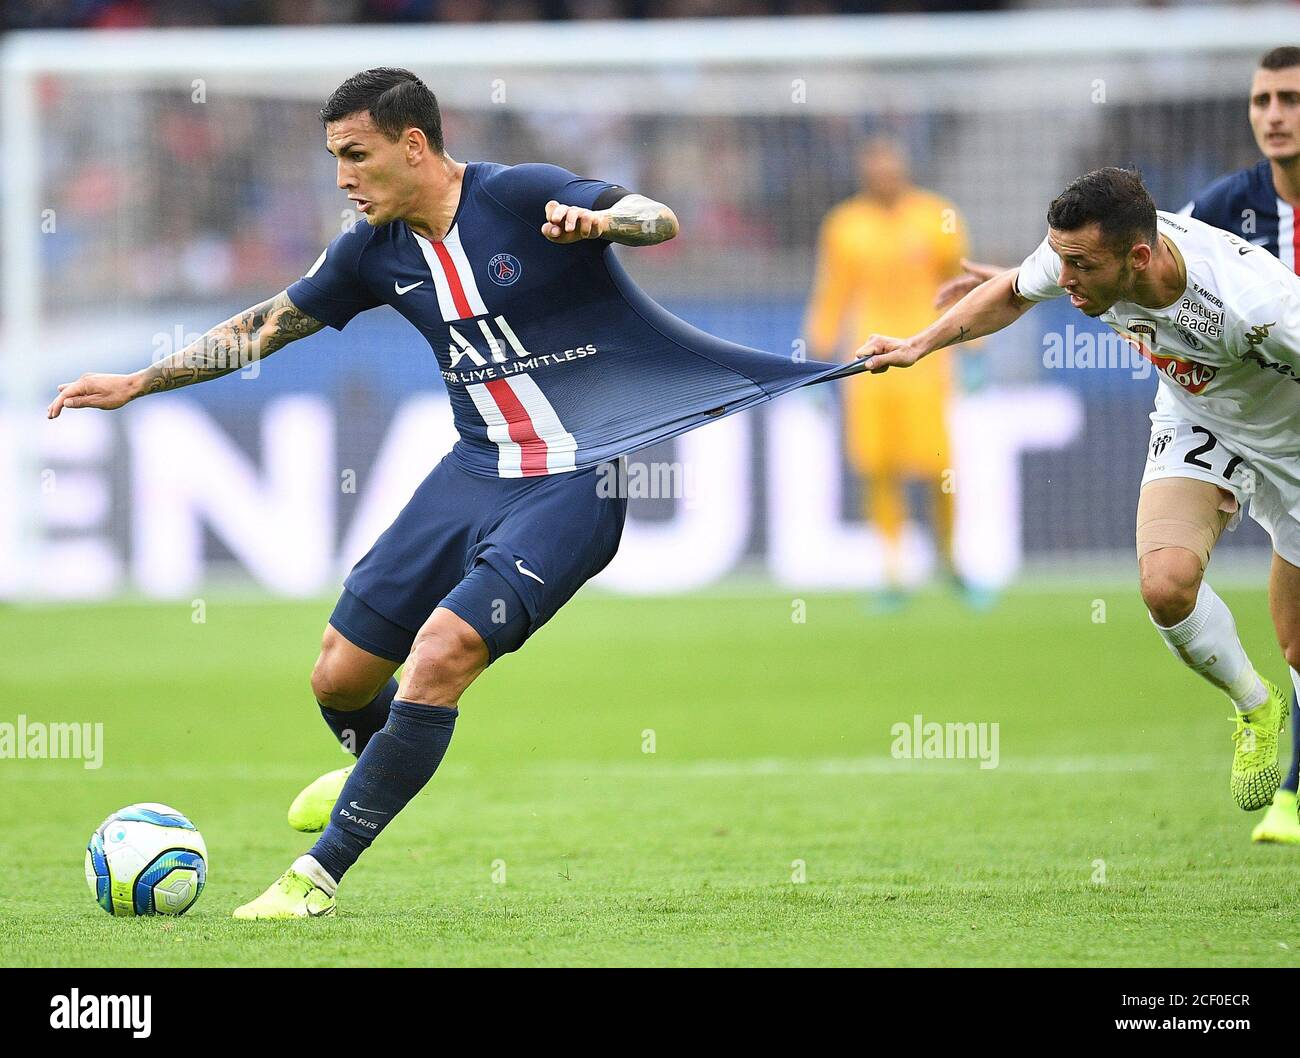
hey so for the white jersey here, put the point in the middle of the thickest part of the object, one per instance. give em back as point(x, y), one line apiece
point(1227, 351)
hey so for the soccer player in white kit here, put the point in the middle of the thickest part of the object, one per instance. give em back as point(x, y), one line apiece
point(1220, 320)
point(1260, 203)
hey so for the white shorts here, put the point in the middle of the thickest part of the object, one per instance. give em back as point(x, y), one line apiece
point(1269, 483)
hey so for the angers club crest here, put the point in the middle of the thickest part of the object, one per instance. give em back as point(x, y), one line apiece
point(1160, 442)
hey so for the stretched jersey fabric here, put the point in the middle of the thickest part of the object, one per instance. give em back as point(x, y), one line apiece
point(553, 358)
point(1247, 204)
point(1227, 351)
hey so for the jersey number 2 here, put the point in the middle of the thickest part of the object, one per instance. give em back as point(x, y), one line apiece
point(1210, 442)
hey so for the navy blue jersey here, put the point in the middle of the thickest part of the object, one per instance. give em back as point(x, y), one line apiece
point(1247, 204)
point(554, 359)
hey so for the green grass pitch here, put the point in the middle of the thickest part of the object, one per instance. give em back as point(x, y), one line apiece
point(1105, 836)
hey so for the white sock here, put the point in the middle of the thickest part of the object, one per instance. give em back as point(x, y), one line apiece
point(1206, 642)
point(309, 868)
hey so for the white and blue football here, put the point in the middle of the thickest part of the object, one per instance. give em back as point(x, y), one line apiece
point(146, 859)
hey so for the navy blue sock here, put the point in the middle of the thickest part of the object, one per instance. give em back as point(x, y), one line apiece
point(1292, 779)
point(354, 729)
point(394, 767)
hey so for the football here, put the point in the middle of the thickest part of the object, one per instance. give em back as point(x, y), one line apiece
point(146, 859)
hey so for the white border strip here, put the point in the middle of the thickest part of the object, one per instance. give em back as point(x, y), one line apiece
point(1286, 243)
point(275, 52)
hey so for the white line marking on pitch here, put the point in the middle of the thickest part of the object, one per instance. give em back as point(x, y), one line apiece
point(750, 767)
point(760, 766)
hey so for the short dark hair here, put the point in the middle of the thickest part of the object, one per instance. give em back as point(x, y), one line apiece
point(1281, 58)
point(395, 99)
point(1113, 198)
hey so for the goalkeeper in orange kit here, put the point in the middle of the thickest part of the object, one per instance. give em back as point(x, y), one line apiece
point(882, 257)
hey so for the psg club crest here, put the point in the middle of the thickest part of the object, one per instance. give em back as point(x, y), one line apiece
point(504, 269)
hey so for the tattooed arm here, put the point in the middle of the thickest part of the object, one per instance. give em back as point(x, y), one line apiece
point(633, 220)
point(241, 340)
point(252, 335)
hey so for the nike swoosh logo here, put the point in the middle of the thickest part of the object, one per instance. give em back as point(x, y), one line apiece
point(406, 290)
point(372, 811)
point(519, 565)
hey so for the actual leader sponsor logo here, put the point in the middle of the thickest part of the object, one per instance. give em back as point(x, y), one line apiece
point(1194, 316)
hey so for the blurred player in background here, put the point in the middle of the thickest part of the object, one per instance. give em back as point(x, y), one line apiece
point(1259, 204)
point(1220, 319)
point(882, 254)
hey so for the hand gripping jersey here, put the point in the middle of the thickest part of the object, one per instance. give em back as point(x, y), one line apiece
point(1227, 351)
point(1247, 204)
point(554, 360)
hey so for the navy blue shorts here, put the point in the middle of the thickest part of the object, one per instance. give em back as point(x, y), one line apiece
point(504, 554)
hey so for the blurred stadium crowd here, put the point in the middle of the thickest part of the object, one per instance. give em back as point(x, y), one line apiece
point(159, 199)
point(68, 14)
point(225, 201)
point(218, 212)
point(212, 215)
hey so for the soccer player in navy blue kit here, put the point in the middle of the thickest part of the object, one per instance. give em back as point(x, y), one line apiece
point(556, 364)
point(1259, 204)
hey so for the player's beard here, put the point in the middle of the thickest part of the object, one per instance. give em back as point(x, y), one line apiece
point(1121, 291)
point(1088, 308)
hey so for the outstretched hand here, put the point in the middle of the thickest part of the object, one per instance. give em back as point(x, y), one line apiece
point(882, 352)
point(94, 391)
point(957, 288)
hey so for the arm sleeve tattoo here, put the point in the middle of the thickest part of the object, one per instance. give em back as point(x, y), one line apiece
point(635, 220)
point(253, 334)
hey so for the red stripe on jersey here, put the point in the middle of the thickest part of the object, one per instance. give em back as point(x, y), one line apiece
point(532, 449)
point(1295, 250)
point(453, 281)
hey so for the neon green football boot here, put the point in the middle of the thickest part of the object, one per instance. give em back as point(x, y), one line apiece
point(1279, 825)
point(293, 895)
point(310, 811)
point(1255, 772)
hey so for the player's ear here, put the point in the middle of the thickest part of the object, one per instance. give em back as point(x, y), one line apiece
point(1139, 257)
point(416, 145)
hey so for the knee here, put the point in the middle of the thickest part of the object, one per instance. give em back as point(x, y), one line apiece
point(1171, 578)
point(444, 660)
point(1292, 652)
point(334, 687)
point(1291, 649)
